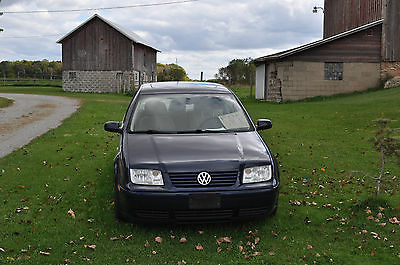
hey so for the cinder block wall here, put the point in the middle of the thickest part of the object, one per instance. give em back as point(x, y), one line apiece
point(100, 81)
point(307, 79)
point(390, 68)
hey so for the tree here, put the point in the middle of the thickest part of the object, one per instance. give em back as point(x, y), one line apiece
point(238, 71)
point(171, 72)
point(387, 145)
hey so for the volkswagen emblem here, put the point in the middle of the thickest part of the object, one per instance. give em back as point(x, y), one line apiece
point(204, 178)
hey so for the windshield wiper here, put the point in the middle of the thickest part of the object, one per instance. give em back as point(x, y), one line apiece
point(204, 131)
point(154, 132)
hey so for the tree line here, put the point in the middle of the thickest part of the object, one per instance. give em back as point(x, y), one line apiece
point(237, 72)
point(31, 69)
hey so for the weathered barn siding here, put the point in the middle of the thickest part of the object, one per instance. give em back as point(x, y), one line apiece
point(97, 47)
point(364, 46)
point(145, 61)
point(343, 15)
point(391, 32)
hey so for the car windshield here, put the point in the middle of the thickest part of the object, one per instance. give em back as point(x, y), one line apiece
point(188, 113)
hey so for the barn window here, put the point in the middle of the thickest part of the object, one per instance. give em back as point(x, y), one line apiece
point(72, 75)
point(333, 71)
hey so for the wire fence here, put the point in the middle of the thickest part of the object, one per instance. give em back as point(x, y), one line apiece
point(53, 81)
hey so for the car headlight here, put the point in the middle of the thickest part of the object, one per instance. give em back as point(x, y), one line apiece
point(147, 177)
point(257, 174)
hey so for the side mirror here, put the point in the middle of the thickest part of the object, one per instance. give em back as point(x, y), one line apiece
point(263, 124)
point(112, 126)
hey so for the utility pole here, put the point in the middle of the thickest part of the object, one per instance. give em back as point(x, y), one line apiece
point(1, 13)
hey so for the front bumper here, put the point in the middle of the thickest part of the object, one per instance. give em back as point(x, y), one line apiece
point(195, 207)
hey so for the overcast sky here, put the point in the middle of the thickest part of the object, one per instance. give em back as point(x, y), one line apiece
point(202, 36)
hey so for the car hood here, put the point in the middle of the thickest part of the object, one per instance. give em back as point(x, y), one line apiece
point(191, 151)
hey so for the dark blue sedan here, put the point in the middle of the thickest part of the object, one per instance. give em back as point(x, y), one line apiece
point(189, 152)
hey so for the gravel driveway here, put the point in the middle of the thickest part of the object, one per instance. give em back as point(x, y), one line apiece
point(31, 116)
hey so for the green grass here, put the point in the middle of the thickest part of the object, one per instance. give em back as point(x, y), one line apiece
point(71, 168)
point(5, 102)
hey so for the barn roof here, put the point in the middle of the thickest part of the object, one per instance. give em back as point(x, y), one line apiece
point(127, 33)
point(283, 54)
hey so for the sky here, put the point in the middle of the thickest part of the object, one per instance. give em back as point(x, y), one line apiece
point(201, 36)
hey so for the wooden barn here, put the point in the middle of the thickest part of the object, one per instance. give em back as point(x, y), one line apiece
point(361, 44)
point(100, 56)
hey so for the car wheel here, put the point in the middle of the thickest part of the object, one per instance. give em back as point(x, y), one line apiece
point(117, 212)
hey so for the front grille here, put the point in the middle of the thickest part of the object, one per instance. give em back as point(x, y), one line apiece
point(189, 179)
point(199, 215)
point(152, 214)
point(253, 211)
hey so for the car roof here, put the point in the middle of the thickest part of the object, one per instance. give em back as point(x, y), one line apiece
point(183, 87)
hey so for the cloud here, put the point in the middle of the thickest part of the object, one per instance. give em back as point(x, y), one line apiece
point(203, 35)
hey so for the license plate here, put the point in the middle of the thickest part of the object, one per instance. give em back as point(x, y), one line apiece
point(204, 201)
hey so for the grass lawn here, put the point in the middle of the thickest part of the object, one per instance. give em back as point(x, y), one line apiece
point(5, 102)
point(323, 217)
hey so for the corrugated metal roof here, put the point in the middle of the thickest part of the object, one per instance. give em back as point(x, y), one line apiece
point(289, 52)
point(127, 33)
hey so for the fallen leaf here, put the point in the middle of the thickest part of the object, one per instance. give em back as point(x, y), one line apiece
point(227, 239)
point(271, 253)
point(219, 249)
point(92, 247)
point(21, 186)
point(183, 240)
point(44, 253)
point(158, 239)
point(114, 238)
point(147, 244)
point(201, 232)
point(309, 247)
point(154, 252)
point(131, 235)
point(259, 253)
point(199, 246)
point(240, 248)
point(256, 240)
point(71, 212)
point(2, 250)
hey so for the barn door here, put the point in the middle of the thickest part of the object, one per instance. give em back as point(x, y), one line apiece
point(266, 85)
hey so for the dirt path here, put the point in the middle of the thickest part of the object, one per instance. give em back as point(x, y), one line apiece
point(31, 116)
